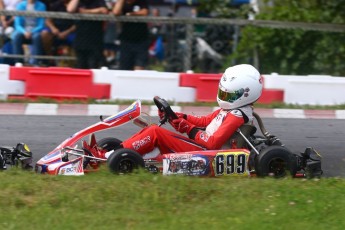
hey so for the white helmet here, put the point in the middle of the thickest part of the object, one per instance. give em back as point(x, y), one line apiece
point(240, 85)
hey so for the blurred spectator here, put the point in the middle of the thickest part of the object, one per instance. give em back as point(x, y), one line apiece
point(155, 27)
point(47, 3)
point(58, 32)
point(7, 21)
point(6, 29)
point(88, 43)
point(28, 29)
point(110, 40)
point(156, 49)
point(134, 36)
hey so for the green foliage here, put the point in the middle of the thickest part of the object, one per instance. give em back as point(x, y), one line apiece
point(295, 51)
point(224, 9)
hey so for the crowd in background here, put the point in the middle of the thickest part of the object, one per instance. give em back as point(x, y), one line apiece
point(94, 43)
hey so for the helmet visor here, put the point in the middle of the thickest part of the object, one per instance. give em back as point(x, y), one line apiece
point(229, 96)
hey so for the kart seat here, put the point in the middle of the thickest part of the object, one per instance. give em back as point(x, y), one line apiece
point(247, 130)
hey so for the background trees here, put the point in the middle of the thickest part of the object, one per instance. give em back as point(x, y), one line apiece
point(292, 51)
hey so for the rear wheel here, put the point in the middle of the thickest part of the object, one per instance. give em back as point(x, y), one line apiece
point(275, 161)
point(109, 143)
point(124, 161)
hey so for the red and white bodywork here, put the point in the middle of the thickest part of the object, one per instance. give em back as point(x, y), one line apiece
point(53, 162)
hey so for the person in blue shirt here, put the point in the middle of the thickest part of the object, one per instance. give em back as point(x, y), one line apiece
point(28, 29)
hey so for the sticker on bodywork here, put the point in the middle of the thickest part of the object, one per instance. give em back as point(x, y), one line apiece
point(186, 164)
point(72, 168)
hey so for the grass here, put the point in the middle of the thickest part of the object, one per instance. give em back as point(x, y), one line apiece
point(274, 105)
point(145, 201)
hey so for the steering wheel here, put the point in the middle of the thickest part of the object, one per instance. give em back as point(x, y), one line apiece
point(164, 107)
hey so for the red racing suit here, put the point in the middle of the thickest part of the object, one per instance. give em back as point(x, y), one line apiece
point(215, 129)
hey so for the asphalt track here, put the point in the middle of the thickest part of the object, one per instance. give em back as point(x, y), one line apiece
point(44, 133)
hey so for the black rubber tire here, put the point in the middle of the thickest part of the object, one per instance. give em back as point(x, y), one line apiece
point(109, 143)
point(124, 161)
point(276, 161)
point(218, 45)
point(1, 162)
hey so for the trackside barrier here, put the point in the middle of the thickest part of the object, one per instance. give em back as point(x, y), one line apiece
point(276, 81)
point(316, 90)
point(269, 96)
point(7, 86)
point(67, 83)
point(309, 89)
point(59, 82)
point(206, 86)
point(144, 85)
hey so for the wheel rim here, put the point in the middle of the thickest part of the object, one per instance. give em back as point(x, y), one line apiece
point(126, 165)
point(277, 167)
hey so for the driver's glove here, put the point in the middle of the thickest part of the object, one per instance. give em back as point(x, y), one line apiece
point(160, 114)
point(181, 115)
point(181, 125)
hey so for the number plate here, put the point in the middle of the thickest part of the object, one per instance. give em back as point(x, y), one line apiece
point(231, 163)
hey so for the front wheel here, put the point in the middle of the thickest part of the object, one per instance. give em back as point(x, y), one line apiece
point(276, 161)
point(124, 161)
point(2, 163)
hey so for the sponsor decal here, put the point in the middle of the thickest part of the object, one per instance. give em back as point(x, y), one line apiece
point(68, 170)
point(178, 157)
point(246, 92)
point(223, 77)
point(261, 79)
point(236, 113)
point(138, 144)
point(74, 168)
point(188, 164)
point(232, 78)
point(219, 117)
point(204, 136)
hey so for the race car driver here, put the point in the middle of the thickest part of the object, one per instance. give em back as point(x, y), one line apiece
point(239, 87)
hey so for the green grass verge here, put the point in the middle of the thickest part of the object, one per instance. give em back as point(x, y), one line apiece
point(145, 201)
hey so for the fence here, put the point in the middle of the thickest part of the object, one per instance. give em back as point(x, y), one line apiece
point(188, 43)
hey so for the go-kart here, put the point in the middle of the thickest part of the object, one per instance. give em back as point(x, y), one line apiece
point(246, 153)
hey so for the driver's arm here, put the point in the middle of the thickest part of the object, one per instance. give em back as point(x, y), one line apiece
point(216, 140)
point(201, 121)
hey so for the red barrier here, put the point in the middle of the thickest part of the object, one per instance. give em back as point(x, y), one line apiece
point(269, 96)
point(206, 86)
point(59, 82)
